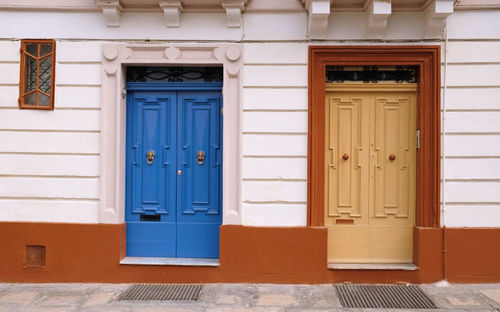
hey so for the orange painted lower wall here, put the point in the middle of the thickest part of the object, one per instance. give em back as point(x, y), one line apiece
point(472, 255)
point(91, 253)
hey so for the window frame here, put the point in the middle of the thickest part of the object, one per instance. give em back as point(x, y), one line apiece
point(22, 81)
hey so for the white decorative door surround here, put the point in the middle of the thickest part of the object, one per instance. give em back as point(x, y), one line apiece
point(115, 59)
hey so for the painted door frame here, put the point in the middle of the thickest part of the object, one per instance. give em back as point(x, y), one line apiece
point(115, 59)
point(428, 120)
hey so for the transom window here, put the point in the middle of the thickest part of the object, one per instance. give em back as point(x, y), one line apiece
point(174, 74)
point(372, 74)
point(36, 86)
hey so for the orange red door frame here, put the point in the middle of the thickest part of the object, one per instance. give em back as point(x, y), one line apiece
point(428, 120)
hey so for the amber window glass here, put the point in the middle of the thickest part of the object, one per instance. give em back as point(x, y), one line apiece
point(36, 86)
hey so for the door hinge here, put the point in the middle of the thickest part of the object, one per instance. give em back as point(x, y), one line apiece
point(124, 93)
point(418, 139)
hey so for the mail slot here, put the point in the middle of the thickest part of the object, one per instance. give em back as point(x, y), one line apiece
point(145, 217)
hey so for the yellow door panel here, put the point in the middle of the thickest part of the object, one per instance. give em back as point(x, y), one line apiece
point(393, 135)
point(341, 248)
point(370, 174)
point(391, 244)
point(346, 160)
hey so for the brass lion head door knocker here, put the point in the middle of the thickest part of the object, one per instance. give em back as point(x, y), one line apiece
point(150, 157)
point(200, 157)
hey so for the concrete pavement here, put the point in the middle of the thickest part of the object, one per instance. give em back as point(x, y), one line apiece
point(228, 298)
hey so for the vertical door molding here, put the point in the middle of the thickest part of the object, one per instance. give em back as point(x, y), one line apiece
point(115, 58)
point(428, 120)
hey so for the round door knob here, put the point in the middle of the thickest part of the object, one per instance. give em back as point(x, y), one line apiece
point(392, 157)
point(345, 156)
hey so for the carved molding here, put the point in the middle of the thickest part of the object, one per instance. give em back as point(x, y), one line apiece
point(233, 12)
point(436, 15)
point(172, 11)
point(319, 11)
point(378, 12)
point(111, 10)
point(115, 58)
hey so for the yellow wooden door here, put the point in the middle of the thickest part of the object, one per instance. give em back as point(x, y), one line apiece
point(370, 172)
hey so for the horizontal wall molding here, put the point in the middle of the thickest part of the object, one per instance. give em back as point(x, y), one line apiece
point(275, 64)
point(262, 110)
point(467, 110)
point(47, 176)
point(274, 133)
point(48, 198)
point(471, 87)
point(471, 63)
point(49, 153)
point(473, 180)
point(78, 108)
point(274, 87)
point(79, 62)
point(78, 85)
point(472, 157)
point(273, 180)
point(473, 40)
point(472, 133)
point(473, 203)
point(50, 130)
point(273, 202)
point(275, 156)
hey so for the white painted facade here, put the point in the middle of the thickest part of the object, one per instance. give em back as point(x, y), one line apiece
point(50, 160)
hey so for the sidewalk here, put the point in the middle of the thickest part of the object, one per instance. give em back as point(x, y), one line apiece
point(228, 297)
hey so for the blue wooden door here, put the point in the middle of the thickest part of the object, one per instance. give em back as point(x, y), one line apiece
point(174, 173)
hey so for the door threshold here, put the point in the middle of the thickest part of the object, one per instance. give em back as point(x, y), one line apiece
point(171, 261)
point(373, 266)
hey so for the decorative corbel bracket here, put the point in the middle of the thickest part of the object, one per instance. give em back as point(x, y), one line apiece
point(436, 14)
point(172, 11)
point(378, 12)
point(111, 10)
point(233, 12)
point(319, 11)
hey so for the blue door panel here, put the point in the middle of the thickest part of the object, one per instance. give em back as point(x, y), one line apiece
point(198, 240)
point(200, 183)
point(152, 180)
point(151, 187)
point(151, 239)
point(174, 200)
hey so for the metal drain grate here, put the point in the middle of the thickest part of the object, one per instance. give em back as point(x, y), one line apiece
point(383, 297)
point(161, 292)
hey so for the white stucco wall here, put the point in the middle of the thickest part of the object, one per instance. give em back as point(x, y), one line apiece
point(49, 160)
point(472, 121)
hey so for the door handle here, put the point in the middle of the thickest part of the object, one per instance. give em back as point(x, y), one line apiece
point(150, 157)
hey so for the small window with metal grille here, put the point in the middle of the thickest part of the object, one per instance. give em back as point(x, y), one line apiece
point(36, 86)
